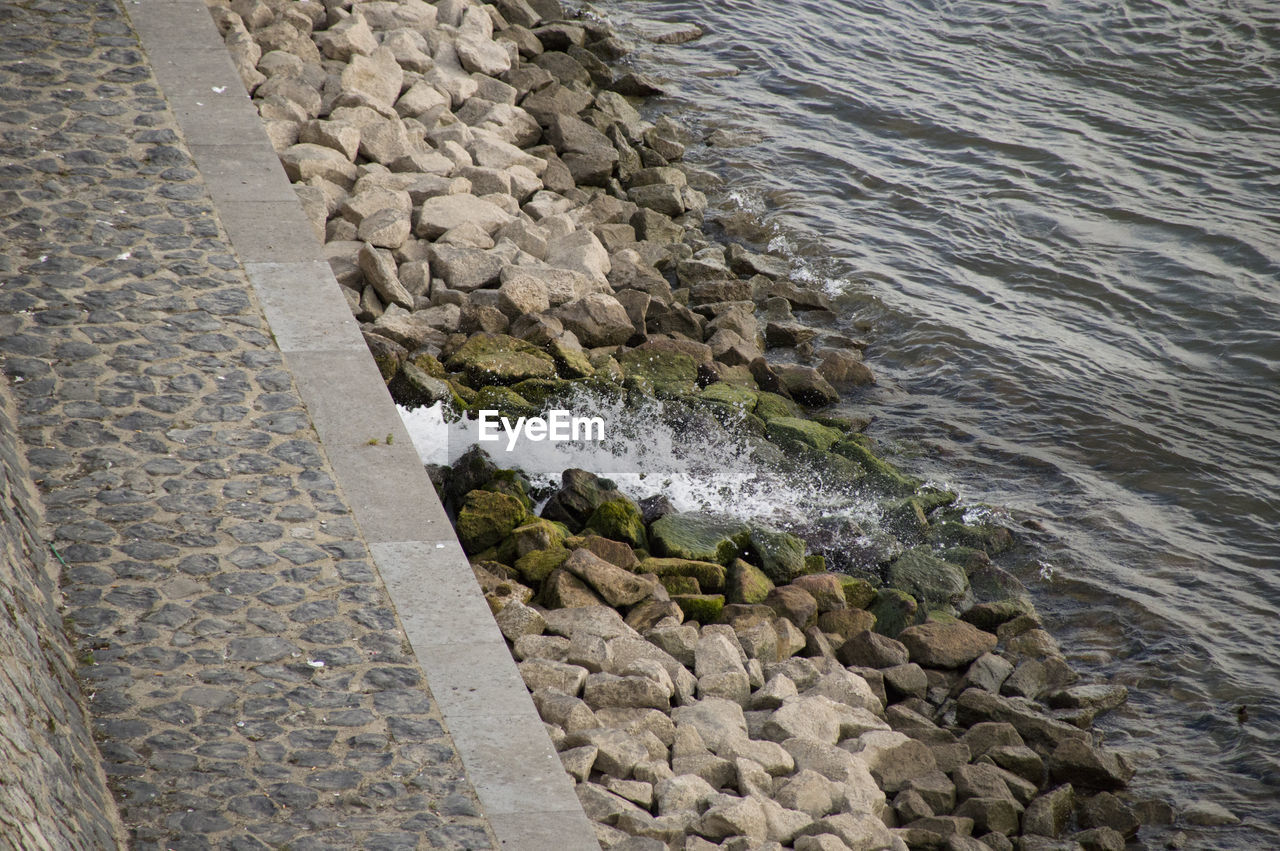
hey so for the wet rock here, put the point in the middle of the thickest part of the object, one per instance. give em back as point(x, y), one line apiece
point(1076, 762)
point(1208, 814)
point(500, 359)
point(929, 579)
point(894, 610)
point(1107, 811)
point(618, 587)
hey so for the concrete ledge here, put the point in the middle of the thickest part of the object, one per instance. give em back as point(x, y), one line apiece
point(526, 795)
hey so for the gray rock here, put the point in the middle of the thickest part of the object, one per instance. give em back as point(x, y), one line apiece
point(1049, 814)
point(892, 758)
point(1076, 762)
point(545, 673)
point(444, 212)
point(597, 320)
point(379, 269)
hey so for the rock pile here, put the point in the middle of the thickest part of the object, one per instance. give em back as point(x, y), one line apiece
point(480, 169)
point(708, 684)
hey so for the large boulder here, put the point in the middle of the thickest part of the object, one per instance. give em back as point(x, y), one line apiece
point(486, 518)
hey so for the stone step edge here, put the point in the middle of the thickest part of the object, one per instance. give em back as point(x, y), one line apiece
point(527, 797)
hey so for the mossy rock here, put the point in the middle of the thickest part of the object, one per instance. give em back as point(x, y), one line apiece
point(580, 494)
point(430, 364)
point(780, 554)
point(858, 593)
point(540, 391)
point(463, 392)
point(667, 371)
point(879, 471)
point(771, 406)
point(507, 402)
point(536, 566)
point(570, 362)
point(843, 423)
point(992, 582)
point(603, 386)
point(928, 578)
point(486, 518)
point(539, 534)
point(894, 610)
point(746, 583)
point(786, 431)
point(967, 557)
point(710, 576)
point(931, 499)
point(512, 483)
point(989, 616)
point(412, 387)
point(703, 608)
point(500, 359)
point(680, 584)
point(836, 469)
point(906, 518)
point(814, 563)
point(701, 537)
point(991, 538)
point(619, 520)
point(734, 418)
point(730, 394)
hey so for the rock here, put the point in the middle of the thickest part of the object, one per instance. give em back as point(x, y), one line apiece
point(857, 830)
point(1096, 697)
point(580, 251)
point(523, 294)
point(565, 711)
point(1076, 762)
point(804, 718)
point(377, 76)
point(928, 578)
point(1208, 814)
point(604, 689)
point(892, 758)
point(1106, 810)
point(793, 603)
point(517, 619)
point(1101, 839)
point(848, 688)
point(698, 537)
point(746, 583)
point(734, 817)
point(618, 751)
point(872, 650)
point(580, 494)
point(987, 672)
point(442, 213)
point(710, 576)
point(908, 680)
point(379, 270)
point(806, 385)
point(991, 815)
point(618, 587)
point(577, 762)
point(946, 644)
point(563, 590)
point(894, 610)
point(936, 789)
point(843, 367)
point(486, 518)
point(826, 588)
point(618, 519)
point(976, 705)
point(597, 320)
point(667, 369)
point(713, 718)
point(305, 161)
point(684, 792)
point(1020, 760)
point(500, 359)
point(601, 805)
point(475, 47)
point(547, 674)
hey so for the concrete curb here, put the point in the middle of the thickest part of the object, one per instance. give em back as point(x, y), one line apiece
point(516, 773)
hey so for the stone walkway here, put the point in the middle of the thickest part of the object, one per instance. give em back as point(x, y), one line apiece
point(250, 680)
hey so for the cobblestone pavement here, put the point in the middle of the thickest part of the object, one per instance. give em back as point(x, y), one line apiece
point(249, 682)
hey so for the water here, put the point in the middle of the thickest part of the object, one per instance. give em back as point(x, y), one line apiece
point(1057, 226)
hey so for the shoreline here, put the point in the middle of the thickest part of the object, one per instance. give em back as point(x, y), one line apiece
point(613, 292)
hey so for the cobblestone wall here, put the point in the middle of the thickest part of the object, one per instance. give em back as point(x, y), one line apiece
point(53, 793)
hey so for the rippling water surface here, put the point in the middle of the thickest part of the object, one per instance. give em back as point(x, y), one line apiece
point(1058, 226)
